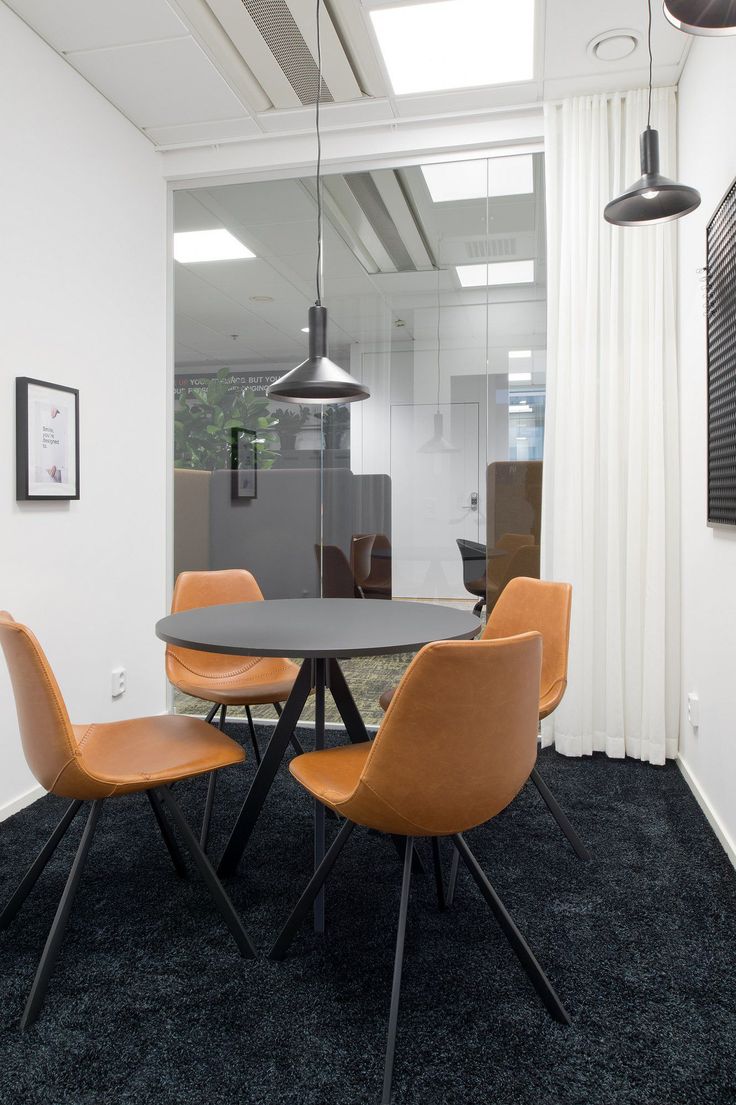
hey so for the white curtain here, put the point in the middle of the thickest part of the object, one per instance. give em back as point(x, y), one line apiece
point(610, 522)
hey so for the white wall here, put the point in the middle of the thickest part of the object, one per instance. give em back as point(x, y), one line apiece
point(707, 160)
point(83, 301)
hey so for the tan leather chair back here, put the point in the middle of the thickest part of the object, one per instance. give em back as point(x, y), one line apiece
point(498, 567)
point(361, 549)
point(194, 589)
point(459, 739)
point(49, 745)
point(536, 604)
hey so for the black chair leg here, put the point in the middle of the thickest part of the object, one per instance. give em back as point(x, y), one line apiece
point(213, 711)
point(452, 884)
point(213, 884)
point(388, 1068)
point(305, 903)
point(204, 833)
point(34, 871)
point(524, 953)
point(253, 738)
point(172, 847)
point(295, 742)
point(56, 932)
point(559, 815)
point(439, 881)
point(209, 802)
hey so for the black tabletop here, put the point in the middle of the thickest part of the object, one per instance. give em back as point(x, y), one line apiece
point(316, 627)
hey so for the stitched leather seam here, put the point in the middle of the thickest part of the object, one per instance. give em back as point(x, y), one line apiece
point(231, 675)
point(419, 828)
point(85, 735)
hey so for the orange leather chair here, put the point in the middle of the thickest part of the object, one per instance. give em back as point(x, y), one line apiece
point(378, 583)
point(439, 765)
point(361, 550)
point(220, 679)
point(91, 763)
point(533, 605)
point(337, 579)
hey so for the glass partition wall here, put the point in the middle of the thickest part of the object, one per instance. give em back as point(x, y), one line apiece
point(430, 490)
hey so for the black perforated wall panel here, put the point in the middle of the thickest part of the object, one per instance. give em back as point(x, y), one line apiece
point(721, 285)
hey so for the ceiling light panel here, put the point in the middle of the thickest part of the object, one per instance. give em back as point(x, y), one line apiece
point(495, 275)
point(456, 44)
point(469, 180)
point(520, 377)
point(519, 354)
point(192, 246)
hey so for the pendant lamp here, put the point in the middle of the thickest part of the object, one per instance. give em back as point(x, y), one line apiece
point(653, 198)
point(318, 379)
point(702, 17)
point(438, 443)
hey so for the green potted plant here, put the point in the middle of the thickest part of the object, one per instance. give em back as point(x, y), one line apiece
point(204, 418)
point(335, 421)
point(288, 424)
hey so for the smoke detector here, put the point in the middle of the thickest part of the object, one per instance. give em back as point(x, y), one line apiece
point(613, 45)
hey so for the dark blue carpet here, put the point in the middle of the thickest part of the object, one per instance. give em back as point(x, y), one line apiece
point(151, 1003)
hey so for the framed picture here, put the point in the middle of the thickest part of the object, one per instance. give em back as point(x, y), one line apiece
point(47, 440)
point(244, 464)
point(721, 301)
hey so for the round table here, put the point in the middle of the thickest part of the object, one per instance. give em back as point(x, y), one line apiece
point(320, 632)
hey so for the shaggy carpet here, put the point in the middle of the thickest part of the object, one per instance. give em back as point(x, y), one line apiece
point(150, 1001)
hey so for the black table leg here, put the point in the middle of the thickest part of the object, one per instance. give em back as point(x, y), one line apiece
point(356, 730)
point(266, 772)
point(346, 708)
point(319, 810)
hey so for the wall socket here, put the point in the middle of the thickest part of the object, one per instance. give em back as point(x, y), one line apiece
point(119, 682)
point(693, 709)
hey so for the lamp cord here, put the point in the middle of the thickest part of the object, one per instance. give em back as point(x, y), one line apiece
point(649, 43)
point(318, 301)
point(438, 332)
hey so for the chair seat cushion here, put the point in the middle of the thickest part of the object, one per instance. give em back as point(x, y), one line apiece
point(333, 773)
point(258, 681)
point(125, 756)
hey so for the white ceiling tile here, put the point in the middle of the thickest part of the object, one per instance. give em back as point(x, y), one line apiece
point(276, 201)
point(570, 26)
point(161, 83)
point(90, 24)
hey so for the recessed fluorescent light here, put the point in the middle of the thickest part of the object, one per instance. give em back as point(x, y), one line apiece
point(305, 329)
point(191, 246)
point(519, 408)
point(520, 377)
point(471, 180)
point(500, 272)
point(456, 43)
point(519, 354)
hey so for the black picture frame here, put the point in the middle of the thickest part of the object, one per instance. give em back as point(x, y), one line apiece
point(55, 476)
point(721, 314)
point(243, 464)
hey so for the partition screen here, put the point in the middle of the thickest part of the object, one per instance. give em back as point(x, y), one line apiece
point(434, 281)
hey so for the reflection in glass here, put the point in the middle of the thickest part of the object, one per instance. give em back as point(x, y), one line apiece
point(431, 489)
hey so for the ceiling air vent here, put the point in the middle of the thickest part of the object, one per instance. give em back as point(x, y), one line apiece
point(490, 247)
point(278, 28)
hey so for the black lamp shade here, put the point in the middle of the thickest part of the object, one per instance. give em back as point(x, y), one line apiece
point(702, 17)
point(318, 379)
point(653, 198)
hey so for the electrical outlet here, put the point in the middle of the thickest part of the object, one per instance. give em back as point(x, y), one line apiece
point(119, 682)
point(693, 709)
